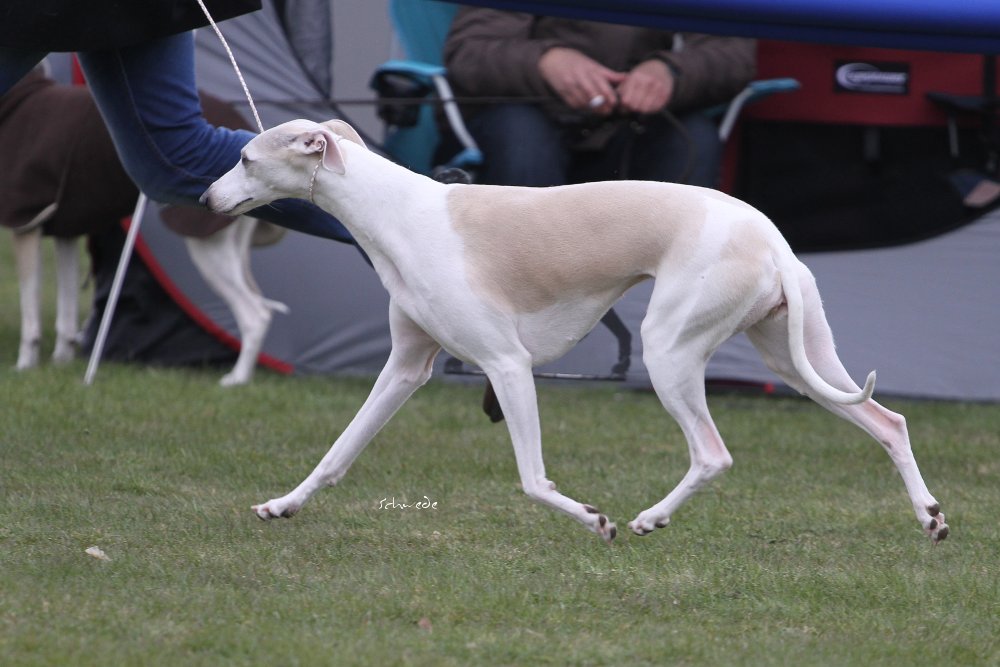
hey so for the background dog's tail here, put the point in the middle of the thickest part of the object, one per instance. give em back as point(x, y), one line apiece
point(789, 270)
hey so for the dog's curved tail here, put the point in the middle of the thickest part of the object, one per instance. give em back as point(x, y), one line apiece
point(789, 271)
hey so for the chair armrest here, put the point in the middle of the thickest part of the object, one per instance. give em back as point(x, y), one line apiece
point(754, 91)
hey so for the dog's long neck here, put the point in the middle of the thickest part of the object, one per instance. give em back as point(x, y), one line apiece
point(377, 200)
point(371, 184)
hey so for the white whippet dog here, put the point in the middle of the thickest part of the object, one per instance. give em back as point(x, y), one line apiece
point(508, 278)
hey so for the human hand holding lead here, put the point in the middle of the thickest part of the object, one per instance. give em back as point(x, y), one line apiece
point(580, 80)
point(647, 88)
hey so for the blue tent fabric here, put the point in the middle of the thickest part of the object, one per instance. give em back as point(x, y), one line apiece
point(971, 26)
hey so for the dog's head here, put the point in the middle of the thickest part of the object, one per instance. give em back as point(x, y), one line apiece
point(281, 163)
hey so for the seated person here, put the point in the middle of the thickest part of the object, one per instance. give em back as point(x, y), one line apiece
point(593, 96)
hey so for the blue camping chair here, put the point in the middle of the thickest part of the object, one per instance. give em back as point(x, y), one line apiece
point(413, 136)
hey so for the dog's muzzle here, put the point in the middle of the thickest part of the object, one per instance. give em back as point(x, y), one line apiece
point(206, 201)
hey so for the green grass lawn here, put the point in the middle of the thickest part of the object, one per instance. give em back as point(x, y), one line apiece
point(805, 553)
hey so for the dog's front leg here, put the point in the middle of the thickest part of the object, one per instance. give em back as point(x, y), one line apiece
point(68, 300)
point(27, 255)
point(515, 389)
point(409, 366)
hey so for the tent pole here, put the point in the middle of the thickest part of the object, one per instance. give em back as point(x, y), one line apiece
point(116, 288)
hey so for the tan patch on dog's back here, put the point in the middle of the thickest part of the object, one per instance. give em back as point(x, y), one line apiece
point(531, 247)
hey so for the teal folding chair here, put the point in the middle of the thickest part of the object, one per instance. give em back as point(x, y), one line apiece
point(413, 136)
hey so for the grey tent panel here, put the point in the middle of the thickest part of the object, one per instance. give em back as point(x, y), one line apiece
point(924, 315)
point(283, 86)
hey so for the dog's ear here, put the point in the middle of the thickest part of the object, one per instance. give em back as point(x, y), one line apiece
point(325, 142)
point(344, 130)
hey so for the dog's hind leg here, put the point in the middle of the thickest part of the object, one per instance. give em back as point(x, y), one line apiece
point(67, 301)
point(27, 255)
point(223, 261)
point(770, 337)
point(511, 378)
point(676, 348)
point(680, 385)
point(409, 366)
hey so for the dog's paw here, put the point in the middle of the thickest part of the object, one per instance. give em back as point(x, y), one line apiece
point(271, 510)
point(600, 524)
point(643, 527)
point(65, 350)
point(28, 356)
point(63, 356)
point(233, 380)
point(935, 526)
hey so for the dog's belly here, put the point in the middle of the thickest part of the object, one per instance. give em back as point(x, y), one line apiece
point(550, 333)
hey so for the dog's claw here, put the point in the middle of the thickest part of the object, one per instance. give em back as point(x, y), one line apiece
point(606, 529)
point(936, 528)
point(643, 527)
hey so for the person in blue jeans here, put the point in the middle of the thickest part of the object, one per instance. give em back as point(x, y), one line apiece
point(147, 96)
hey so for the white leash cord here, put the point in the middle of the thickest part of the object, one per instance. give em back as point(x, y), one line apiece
point(232, 59)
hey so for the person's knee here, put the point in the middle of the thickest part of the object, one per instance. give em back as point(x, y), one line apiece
point(521, 146)
point(686, 151)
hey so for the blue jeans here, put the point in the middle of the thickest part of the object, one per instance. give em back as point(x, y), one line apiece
point(149, 101)
point(523, 146)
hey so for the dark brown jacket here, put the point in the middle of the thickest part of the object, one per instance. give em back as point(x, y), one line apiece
point(495, 53)
point(56, 150)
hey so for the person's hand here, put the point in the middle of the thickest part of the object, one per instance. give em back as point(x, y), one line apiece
point(580, 80)
point(647, 88)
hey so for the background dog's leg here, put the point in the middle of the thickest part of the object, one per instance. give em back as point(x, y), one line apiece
point(770, 337)
point(409, 366)
point(223, 261)
point(67, 301)
point(515, 389)
point(27, 254)
point(246, 230)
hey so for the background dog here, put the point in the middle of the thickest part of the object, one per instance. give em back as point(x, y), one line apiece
point(63, 178)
